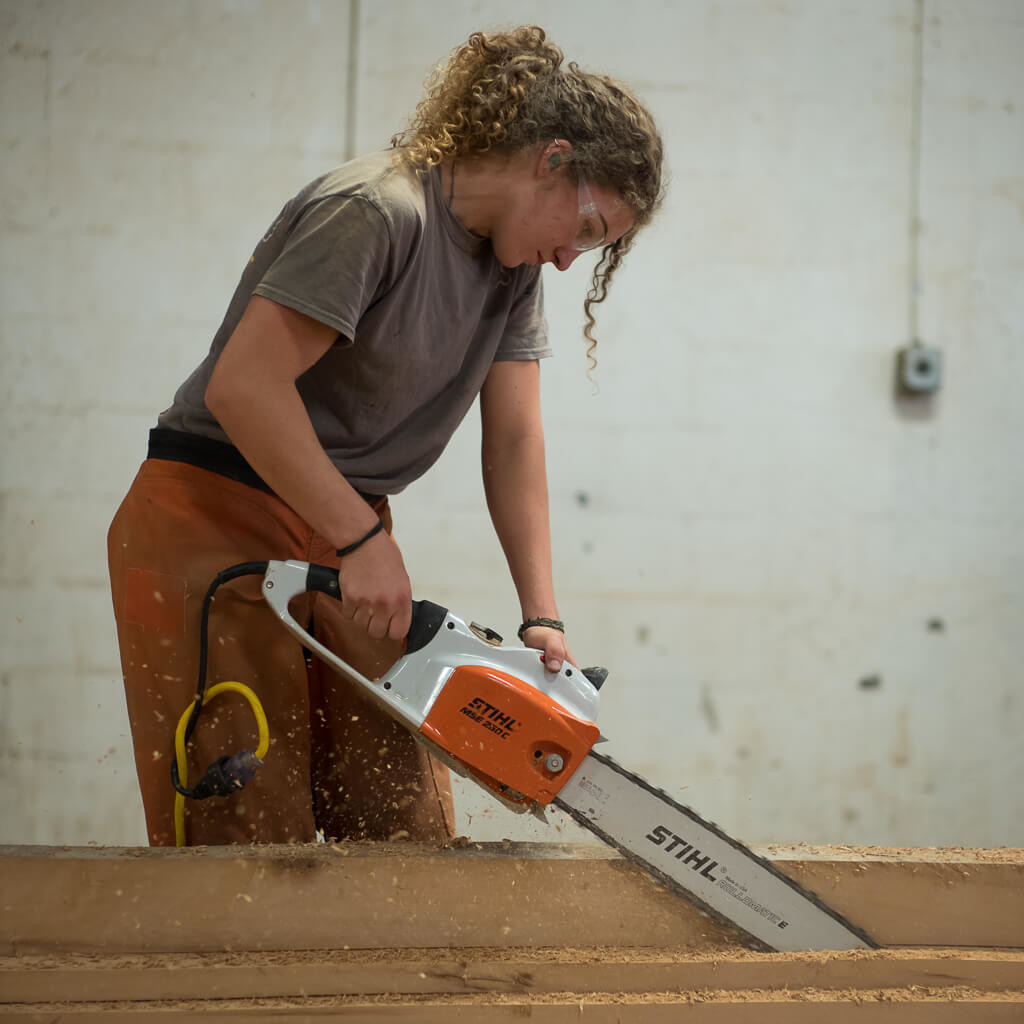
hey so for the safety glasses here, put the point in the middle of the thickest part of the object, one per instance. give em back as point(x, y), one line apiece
point(592, 228)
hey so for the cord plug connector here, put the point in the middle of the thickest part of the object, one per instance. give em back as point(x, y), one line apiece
point(227, 775)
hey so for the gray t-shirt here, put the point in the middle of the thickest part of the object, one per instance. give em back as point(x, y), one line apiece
point(421, 306)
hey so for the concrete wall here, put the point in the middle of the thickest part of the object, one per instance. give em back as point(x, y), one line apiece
point(809, 592)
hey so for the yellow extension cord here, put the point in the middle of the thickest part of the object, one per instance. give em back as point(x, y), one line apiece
point(179, 745)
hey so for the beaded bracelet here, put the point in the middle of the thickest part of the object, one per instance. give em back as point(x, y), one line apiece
point(548, 623)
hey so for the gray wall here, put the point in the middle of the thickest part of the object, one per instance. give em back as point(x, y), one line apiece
point(810, 594)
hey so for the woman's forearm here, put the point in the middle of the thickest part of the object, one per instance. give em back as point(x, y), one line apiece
point(515, 483)
point(270, 426)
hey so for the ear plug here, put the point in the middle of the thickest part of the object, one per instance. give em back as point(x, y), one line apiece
point(555, 160)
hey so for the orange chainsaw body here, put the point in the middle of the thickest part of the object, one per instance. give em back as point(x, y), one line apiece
point(497, 725)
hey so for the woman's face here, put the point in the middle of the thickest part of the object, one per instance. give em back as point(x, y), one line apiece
point(557, 219)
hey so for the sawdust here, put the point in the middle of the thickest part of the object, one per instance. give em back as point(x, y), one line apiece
point(908, 855)
point(460, 843)
point(541, 955)
point(963, 995)
point(575, 851)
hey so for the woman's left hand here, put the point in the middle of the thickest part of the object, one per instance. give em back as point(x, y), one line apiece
point(552, 643)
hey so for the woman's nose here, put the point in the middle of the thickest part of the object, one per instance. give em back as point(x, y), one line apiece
point(565, 255)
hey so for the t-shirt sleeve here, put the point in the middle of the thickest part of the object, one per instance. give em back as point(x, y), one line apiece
point(526, 333)
point(333, 263)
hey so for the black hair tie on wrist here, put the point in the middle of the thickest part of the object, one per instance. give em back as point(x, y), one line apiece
point(548, 623)
point(349, 548)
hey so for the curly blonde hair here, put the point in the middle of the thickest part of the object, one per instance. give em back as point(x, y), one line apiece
point(506, 91)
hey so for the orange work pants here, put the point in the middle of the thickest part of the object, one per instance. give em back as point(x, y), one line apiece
point(337, 762)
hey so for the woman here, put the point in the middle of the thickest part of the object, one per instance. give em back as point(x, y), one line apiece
point(386, 296)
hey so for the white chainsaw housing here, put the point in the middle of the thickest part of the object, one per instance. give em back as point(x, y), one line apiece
point(411, 686)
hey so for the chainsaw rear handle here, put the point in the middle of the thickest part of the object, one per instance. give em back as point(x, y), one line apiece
point(286, 580)
point(427, 617)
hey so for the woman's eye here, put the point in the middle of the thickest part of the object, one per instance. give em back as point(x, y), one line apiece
point(588, 231)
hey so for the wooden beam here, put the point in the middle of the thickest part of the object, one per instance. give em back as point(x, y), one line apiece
point(369, 896)
point(116, 978)
point(747, 1007)
point(488, 933)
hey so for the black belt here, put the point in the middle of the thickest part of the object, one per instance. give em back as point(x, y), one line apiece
point(216, 456)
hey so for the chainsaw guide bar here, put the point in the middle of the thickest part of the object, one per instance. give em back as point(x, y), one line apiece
point(697, 860)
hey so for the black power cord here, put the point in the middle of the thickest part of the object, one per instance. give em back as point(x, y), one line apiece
point(228, 773)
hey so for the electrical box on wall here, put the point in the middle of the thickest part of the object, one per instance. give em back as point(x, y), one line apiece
point(918, 369)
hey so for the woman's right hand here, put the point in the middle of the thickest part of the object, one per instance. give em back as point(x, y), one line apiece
point(375, 590)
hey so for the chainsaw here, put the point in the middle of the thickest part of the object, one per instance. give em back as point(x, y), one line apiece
point(498, 716)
